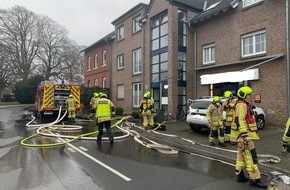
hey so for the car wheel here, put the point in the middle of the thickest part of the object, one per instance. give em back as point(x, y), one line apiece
point(260, 120)
point(195, 128)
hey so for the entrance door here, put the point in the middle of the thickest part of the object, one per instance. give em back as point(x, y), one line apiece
point(219, 89)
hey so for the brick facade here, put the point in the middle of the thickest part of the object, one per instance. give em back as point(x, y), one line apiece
point(225, 30)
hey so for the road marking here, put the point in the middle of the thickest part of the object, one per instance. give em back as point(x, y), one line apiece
point(100, 163)
point(95, 160)
point(83, 148)
point(71, 149)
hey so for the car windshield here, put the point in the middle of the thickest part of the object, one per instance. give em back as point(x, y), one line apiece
point(200, 104)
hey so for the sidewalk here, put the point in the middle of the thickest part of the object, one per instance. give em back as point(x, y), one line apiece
point(269, 144)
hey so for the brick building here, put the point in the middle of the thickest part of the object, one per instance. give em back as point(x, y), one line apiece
point(97, 62)
point(180, 49)
point(127, 59)
point(232, 37)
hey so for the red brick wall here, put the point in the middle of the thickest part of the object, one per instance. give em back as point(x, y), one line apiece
point(101, 71)
point(226, 29)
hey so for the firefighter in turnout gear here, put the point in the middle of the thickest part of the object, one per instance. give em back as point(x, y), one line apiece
point(215, 119)
point(146, 109)
point(286, 139)
point(93, 102)
point(105, 110)
point(71, 107)
point(229, 107)
point(245, 123)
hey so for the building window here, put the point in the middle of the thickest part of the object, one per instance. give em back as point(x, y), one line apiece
point(137, 61)
point(120, 92)
point(104, 58)
point(159, 67)
point(159, 32)
point(89, 64)
point(209, 54)
point(120, 61)
point(96, 82)
point(182, 66)
point(136, 94)
point(96, 61)
point(254, 44)
point(89, 83)
point(182, 17)
point(136, 26)
point(104, 82)
point(250, 2)
point(120, 32)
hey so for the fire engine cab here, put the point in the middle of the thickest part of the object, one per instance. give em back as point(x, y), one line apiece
point(50, 96)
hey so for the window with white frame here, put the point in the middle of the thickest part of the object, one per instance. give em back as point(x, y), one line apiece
point(104, 82)
point(136, 26)
point(120, 33)
point(96, 82)
point(89, 64)
point(89, 83)
point(209, 54)
point(136, 94)
point(137, 61)
point(96, 61)
point(120, 92)
point(250, 2)
point(120, 61)
point(104, 58)
point(254, 43)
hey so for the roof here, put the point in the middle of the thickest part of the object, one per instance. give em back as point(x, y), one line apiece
point(129, 12)
point(104, 39)
point(212, 8)
point(191, 5)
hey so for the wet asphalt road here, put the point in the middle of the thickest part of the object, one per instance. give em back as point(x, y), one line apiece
point(85, 165)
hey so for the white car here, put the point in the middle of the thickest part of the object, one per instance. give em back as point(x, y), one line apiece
point(196, 117)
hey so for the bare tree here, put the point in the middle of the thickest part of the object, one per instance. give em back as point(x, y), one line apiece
point(53, 38)
point(19, 36)
point(73, 65)
point(5, 72)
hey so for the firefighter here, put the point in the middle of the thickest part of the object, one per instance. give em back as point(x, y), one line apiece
point(246, 125)
point(146, 109)
point(105, 110)
point(93, 104)
point(215, 119)
point(229, 107)
point(71, 107)
point(149, 96)
point(286, 139)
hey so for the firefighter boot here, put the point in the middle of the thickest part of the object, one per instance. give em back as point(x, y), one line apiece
point(286, 150)
point(241, 177)
point(257, 183)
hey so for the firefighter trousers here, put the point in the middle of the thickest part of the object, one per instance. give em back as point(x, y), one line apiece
point(247, 159)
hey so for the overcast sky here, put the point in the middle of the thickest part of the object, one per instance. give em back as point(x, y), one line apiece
point(86, 20)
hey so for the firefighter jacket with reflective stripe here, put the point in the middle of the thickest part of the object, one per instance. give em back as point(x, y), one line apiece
point(105, 109)
point(214, 115)
point(146, 106)
point(245, 120)
point(71, 104)
point(229, 108)
point(286, 136)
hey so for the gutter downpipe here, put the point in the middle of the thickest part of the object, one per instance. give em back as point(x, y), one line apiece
point(287, 49)
point(143, 60)
point(107, 40)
